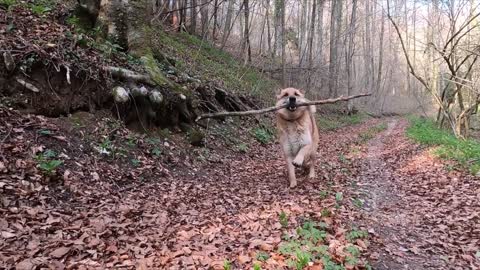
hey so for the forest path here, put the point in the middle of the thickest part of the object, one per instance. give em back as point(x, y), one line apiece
point(408, 206)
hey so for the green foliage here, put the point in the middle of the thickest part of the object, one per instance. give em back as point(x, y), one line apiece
point(309, 232)
point(135, 162)
point(74, 21)
point(45, 132)
point(283, 219)
point(242, 147)
point(8, 3)
point(465, 152)
point(49, 166)
point(352, 258)
point(323, 194)
point(262, 256)
point(131, 142)
point(106, 146)
point(343, 159)
point(42, 7)
point(357, 202)
point(338, 197)
point(227, 265)
point(356, 234)
point(263, 134)
point(326, 212)
point(108, 49)
point(336, 121)
point(257, 267)
point(47, 163)
point(157, 151)
point(304, 247)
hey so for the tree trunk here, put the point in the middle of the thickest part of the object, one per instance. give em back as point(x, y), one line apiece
point(302, 31)
point(350, 51)
point(321, 5)
point(204, 20)
point(279, 15)
point(335, 27)
point(283, 43)
point(193, 17)
point(310, 43)
point(368, 48)
point(215, 20)
point(246, 44)
point(228, 22)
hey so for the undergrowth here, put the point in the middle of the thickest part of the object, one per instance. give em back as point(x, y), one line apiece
point(335, 121)
point(309, 246)
point(465, 152)
point(199, 57)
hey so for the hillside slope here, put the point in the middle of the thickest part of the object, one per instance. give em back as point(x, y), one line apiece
point(54, 64)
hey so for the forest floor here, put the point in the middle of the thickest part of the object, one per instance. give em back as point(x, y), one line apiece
point(127, 201)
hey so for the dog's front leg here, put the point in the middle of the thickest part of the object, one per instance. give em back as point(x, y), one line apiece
point(300, 157)
point(291, 173)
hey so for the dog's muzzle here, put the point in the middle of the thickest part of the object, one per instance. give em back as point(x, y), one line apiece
point(292, 104)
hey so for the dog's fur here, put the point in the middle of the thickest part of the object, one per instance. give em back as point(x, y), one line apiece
point(298, 133)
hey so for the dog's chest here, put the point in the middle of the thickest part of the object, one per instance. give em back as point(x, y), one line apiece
point(296, 139)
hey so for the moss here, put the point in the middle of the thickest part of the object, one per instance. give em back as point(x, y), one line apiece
point(196, 137)
point(151, 66)
point(198, 57)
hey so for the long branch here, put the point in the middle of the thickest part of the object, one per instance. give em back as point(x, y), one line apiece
point(276, 108)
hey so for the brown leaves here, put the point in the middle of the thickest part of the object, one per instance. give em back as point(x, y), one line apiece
point(59, 252)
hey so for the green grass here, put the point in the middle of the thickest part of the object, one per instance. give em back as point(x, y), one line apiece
point(335, 121)
point(465, 152)
point(197, 57)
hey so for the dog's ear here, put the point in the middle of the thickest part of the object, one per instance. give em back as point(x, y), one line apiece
point(301, 92)
point(279, 93)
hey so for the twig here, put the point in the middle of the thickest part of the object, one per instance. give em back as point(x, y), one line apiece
point(6, 136)
point(275, 108)
point(27, 85)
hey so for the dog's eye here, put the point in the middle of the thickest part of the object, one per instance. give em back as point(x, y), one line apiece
point(285, 95)
point(296, 94)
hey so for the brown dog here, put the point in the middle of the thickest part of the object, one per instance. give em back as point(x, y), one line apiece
point(298, 133)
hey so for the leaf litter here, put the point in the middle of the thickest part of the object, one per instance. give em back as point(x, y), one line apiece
point(180, 211)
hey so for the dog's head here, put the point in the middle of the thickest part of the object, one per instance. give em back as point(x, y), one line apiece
point(291, 97)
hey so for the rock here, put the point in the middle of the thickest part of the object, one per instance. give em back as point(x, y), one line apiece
point(120, 94)
point(138, 91)
point(155, 97)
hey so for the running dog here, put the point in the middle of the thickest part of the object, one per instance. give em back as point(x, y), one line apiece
point(298, 133)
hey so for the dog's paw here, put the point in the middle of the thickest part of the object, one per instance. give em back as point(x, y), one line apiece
point(298, 162)
point(293, 184)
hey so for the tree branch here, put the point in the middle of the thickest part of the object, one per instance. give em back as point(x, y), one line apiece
point(276, 108)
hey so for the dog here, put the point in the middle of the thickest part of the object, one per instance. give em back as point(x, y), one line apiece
point(298, 133)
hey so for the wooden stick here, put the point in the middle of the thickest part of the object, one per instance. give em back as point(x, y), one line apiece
point(276, 108)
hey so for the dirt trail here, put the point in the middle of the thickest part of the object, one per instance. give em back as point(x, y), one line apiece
point(408, 223)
